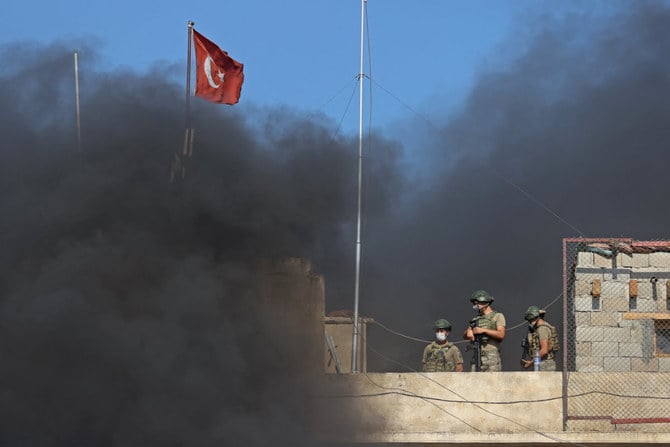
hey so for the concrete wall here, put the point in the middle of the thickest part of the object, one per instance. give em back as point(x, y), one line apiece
point(445, 402)
point(341, 331)
point(471, 408)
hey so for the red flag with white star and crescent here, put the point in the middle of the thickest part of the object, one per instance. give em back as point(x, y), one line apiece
point(219, 77)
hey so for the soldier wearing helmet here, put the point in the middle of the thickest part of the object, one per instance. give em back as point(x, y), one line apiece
point(440, 355)
point(489, 328)
point(541, 337)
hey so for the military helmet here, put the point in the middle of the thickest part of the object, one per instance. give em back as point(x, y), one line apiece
point(481, 296)
point(442, 324)
point(533, 312)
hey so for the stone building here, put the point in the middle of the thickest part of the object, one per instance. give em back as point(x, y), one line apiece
point(619, 320)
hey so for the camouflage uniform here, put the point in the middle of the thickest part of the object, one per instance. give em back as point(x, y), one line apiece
point(490, 347)
point(441, 357)
point(542, 332)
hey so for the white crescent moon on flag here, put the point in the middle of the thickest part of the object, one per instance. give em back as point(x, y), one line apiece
point(207, 66)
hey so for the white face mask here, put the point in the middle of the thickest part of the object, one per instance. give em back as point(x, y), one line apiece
point(441, 336)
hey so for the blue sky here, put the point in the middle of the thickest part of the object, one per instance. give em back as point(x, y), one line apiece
point(423, 56)
point(301, 54)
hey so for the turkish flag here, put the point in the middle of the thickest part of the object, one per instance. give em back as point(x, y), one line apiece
point(219, 77)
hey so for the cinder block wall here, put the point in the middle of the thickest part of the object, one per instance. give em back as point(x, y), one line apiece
point(615, 328)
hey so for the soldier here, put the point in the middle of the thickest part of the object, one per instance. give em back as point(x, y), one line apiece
point(486, 332)
point(541, 337)
point(440, 355)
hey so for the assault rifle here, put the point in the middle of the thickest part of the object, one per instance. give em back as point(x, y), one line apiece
point(526, 355)
point(477, 345)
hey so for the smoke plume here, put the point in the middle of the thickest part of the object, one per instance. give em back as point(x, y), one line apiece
point(568, 139)
point(126, 311)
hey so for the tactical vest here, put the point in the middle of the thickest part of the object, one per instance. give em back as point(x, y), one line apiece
point(553, 342)
point(486, 322)
point(437, 361)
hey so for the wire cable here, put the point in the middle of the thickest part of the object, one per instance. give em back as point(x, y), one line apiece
point(408, 107)
point(536, 201)
point(408, 393)
point(464, 400)
point(528, 195)
point(421, 340)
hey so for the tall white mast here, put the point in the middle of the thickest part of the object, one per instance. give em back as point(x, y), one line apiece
point(361, 75)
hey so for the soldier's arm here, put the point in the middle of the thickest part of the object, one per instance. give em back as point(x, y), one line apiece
point(544, 347)
point(468, 334)
point(458, 359)
point(544, 340)
point(425, 354)
point(498, 333)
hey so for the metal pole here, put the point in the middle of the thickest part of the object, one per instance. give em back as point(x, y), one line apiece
point(354, 348)
point(76, 98)
point(178, 170)
point(564, 377)
point(188, 140)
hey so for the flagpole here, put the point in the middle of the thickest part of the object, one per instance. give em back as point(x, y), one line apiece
point(179, 161)
point(188, 139)
point(354, 347)
point(76, 98)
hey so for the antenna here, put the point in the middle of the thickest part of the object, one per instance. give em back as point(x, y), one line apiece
point(354, 347)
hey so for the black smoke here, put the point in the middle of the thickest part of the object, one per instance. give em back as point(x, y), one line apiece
point(127, 310)
point(568, 139)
